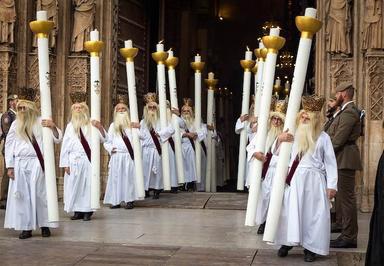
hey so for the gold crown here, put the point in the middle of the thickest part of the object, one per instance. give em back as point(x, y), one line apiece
point(188, 102)
point(150, 97)
point(121, 98)
point(273, 103)
point(312, 103)
point(78, 96)
point(27, 94)
point(281, 106)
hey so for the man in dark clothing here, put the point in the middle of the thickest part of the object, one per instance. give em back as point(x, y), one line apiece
point(6, 120)
point(375, 254)
point(344, 131)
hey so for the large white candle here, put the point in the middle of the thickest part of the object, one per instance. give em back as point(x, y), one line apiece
point(290, 124)
point(244, 132)
point(261, 135)
point(163, 115)
point(95, 115)
point(209, 135)
point(46, 113)
point(171, 63)
point(213, 156)
point(130, 68)
point(198, 118)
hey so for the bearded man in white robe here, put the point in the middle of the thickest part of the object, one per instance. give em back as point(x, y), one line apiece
point(75, 158)
point(312, 183)
point(121, 185)
point(276, 123)
point(152, 138)
point(27, 198)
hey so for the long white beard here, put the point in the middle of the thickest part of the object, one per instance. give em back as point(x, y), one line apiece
point(169, 115)
point(188, 121)
point(27, 123)
point(305, 138)
point(272, 135)
point(121, 121)
point(80, 120)
point(150, 119)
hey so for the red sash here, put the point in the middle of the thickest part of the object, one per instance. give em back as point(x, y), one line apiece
point(190, 139)
point(36, 147)
point(292, 170)
point(266, 165)
point(204, 147)
point(155, 140)
point(85, 145)
point(127, 144)
point(172, 143)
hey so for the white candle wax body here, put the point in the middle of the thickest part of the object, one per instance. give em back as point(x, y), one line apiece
point(197, 58)
point(285, 148)
point(261, 135)
point(139, 175)
point(41, 15)
point(159, 47)
point(244, 132)
point(128, 44)
point(46, 113)
point(175, 123)
point(209, 139)
point(259, 87)
point(248, 55)
point(198, 123)
point(94, 35)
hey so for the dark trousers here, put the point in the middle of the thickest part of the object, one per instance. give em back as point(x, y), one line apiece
point(346, 210)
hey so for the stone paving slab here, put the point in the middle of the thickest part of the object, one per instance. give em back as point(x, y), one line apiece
point(228, 201)
point(181, 200)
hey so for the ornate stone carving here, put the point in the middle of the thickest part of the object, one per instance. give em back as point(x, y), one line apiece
point(373, 31)
point(339, 26)
point(7, 21)
point(375, 86)
point(7, 77)
point(77, 74)
point(341, 70)
point(51, 6)
point(83, 17)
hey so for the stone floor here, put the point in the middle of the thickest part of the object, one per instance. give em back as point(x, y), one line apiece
point(181, 229)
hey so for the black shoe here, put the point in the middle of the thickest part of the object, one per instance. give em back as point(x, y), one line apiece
point(174, 190)
point(341, 243)
point(45, 232)
point(309, 256)
point(156, 194)
point(115, 206)
point(260, 231)
point(146, 194)
point(335, 228)
point(77, 216)
point(87, 216)
point(283, 251)
point(25, 234)
point(129, 205)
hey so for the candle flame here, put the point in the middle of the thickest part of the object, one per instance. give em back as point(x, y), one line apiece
point(247, 48)
point(161, 41)
point(197, 55)
point(170, 49)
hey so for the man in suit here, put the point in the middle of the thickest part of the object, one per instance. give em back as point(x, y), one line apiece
point(344, 131)
point(6, 120)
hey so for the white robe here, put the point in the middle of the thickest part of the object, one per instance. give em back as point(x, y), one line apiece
point(238, 128)
point(189, 159)
point(121, 184)
point(153, 176)
point(220, 161)
point(27, 197)
point(77, 185)
point(306, 215)
point(172, 158)
point(202, 138)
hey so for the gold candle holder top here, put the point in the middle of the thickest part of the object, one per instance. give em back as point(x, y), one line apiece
point(129, 53)
point(93, 47)
point(41, 27)
point(308, 26)
point(247, 65)
point(159, 57)
point(254, 69)
point(273, 43)
point(197, 66)
point(172, 62)
point(211, 83)
point(261, 53)
point(286, 91)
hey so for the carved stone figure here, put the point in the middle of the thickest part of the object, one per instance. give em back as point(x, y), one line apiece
point(7, 21)
point(339, 26)
point(51, 6)
point(83, 22)
point(373, 32)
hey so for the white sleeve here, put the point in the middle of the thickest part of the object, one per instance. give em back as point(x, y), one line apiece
point(166, 133)
point(10, 147)
point(202, 132)
point(108, 143)
point(330, 163)
point(64, 153)
point(59, 137)
point(251, 149)
point(239, 126)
